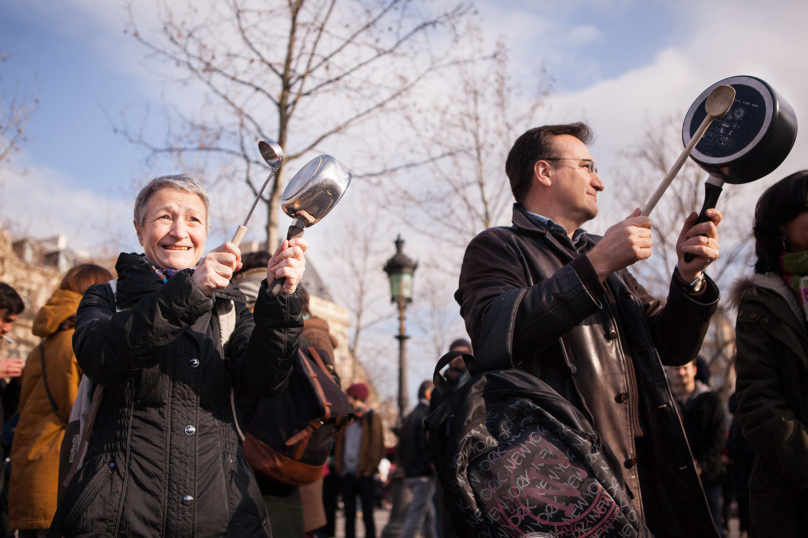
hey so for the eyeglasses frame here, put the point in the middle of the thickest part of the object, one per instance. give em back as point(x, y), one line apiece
point(590, 163)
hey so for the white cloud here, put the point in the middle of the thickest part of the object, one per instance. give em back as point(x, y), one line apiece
point(43, 202)
point(585, 34)
point(725, 39)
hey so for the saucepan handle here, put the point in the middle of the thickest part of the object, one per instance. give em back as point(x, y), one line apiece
point(712, 190)
point(293, 233)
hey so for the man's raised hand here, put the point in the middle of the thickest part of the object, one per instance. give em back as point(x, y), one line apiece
point(625, 243)
point(701, 240)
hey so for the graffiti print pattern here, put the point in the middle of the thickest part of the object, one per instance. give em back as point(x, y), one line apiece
point(520, 472)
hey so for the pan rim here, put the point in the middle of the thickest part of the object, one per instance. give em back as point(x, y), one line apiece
point(768, 101)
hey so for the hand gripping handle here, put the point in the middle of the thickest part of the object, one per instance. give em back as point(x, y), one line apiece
point(293, 233)
point(712, 190)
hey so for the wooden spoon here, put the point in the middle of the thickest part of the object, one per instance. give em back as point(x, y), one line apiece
point(718, 104)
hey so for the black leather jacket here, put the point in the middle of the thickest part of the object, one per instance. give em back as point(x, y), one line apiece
point(604, 354)
point(163, 456)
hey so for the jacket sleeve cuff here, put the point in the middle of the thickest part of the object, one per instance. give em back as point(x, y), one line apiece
point(281, 308)
point(708, 295)
point(589, 278)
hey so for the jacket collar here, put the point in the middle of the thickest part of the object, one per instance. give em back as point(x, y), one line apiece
point(773, 282)
point(522, 222)
point(137, 278)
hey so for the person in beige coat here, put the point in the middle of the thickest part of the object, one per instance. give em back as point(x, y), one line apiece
point(38, 438)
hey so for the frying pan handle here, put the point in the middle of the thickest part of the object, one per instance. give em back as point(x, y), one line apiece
point(293, 233)
point(711, 193)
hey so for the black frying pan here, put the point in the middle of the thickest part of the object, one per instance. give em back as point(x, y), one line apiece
point(748, 142)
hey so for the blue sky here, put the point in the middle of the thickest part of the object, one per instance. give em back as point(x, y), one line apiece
point(613, 63)
point(67, 51)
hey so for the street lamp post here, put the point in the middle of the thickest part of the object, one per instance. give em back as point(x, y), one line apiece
point(400, 270)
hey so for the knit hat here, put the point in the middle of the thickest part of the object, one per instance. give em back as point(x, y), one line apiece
point(359, 391)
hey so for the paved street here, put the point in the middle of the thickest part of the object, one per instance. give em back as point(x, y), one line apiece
point(380, 516)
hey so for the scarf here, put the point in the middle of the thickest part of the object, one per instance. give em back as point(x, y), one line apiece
point(794, 267)
point(165, 274)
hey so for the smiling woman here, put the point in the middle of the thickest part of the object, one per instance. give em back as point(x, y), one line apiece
point(172, 217)
point(163, 457)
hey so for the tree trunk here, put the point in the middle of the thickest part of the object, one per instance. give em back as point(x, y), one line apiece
point(273, 211)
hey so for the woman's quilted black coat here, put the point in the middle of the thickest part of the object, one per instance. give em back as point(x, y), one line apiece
point(164, 457)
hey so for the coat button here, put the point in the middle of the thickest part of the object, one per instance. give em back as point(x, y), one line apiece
point(630, 463)
point(190, 430)
point(613, 334)
point(112, 465)
point(194, 363)
point(622, 397)
point(187, 500)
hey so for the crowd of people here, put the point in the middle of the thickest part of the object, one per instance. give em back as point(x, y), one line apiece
point(179, 376)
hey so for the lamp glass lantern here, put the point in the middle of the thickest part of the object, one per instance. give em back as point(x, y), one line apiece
point(400, 270)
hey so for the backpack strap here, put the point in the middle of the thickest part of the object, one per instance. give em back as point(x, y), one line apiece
point(304, 435)
point(226, 313)
point(437, 378)
point(45, 380)
point(496, 344)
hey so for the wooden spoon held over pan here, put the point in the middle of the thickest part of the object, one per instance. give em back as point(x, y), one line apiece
point(718, 104)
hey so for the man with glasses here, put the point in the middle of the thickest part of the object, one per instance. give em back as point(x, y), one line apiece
point(586, 327)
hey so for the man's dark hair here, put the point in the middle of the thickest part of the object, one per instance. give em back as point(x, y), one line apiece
point(534, 145)
point(780, 204)
point(10, 300)
point(425, 386)
point(460, 342)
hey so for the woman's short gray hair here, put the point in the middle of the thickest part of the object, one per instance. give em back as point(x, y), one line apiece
point(183, 182)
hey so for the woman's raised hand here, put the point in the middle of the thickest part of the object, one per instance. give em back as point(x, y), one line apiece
point(215, 269)
point(288, 262)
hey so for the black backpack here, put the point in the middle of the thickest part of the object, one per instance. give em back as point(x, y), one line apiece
point(514, 458)
point(288, 438)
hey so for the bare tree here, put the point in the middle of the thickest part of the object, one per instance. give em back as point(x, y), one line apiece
point(641, 168)
point(464, 135)
point(15, 112)
point(362, 284)
point(296, 71)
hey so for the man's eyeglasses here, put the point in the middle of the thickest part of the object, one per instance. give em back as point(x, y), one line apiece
point(590, 163)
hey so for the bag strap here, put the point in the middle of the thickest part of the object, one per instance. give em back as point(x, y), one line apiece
point(45, 380)
point(95, 404)
point(304, 435)
point(226, 314)
point(496, 345)
point(321, 363)
point(437, 378)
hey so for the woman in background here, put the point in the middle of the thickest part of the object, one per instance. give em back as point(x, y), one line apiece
point(772, 361)
point(45, 403)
